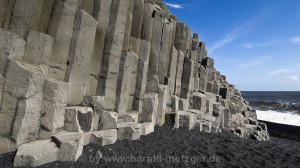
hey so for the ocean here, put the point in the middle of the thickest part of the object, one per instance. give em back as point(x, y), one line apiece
point(277, 107)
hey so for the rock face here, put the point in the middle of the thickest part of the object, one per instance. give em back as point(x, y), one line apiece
point(74, 72)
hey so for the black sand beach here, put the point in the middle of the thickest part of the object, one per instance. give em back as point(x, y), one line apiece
point(168, 147)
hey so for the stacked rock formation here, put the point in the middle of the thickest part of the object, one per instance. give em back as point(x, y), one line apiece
point(74, 72)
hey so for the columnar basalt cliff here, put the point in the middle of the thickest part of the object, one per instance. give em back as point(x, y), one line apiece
point(74, 72)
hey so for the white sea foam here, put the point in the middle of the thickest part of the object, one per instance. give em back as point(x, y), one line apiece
point(277, 117)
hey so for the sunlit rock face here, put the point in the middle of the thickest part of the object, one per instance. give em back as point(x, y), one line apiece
point(75, 72)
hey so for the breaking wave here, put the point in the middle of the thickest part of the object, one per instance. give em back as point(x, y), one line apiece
point(276, 106)
point(287, 118)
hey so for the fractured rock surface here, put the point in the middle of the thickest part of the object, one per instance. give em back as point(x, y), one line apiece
point(36, 153)
point(74, 72)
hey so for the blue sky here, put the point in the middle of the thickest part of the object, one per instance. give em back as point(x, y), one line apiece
point(255, 43)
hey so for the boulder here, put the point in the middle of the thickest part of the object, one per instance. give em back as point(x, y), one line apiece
point(198, 125)
point(206, 126)
point(198, 101)
point(24, 95)
point(53, 108)
point(199, 114)
point(170, 118)
point(147, 128)
point(78, 119)
point(64, 136)
point(185, 120)
point(130, 116)
point(70, 145)
point(215, 129)
point(150, 106)
point(129, 130)
point(96, 103)
point(216, 109)
point(87, 138)
point(104, 137)
point(108, 120)
point(36, 153)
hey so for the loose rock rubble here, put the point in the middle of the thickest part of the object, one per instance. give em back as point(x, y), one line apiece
point(77, 72)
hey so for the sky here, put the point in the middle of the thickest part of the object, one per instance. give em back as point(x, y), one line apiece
point(255, 43)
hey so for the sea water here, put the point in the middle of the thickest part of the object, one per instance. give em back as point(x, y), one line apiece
point(277, 107)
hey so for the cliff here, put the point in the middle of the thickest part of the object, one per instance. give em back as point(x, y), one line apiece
point(74, 72)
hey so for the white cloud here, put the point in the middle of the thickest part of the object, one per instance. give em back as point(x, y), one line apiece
point(292, 69)
point(262, 44)
point(293, 78)
point(278, 71)
point(295, 40)
point(256, 61)
point(239, 31)
point(176, 6)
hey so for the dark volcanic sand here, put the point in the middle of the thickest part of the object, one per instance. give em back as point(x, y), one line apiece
point(225, 150)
